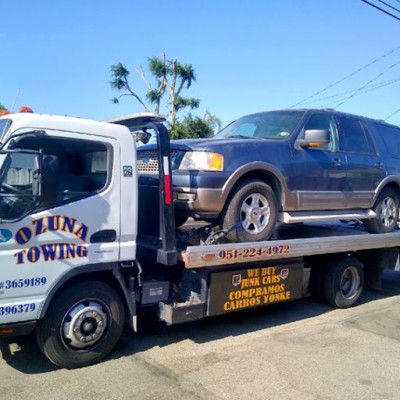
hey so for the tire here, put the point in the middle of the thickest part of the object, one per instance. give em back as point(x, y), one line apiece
point(90, 310)
point(386, 208)
point(343, 282)
point(254, 203)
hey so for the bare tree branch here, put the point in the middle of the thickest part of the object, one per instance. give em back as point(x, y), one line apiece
point(143, 76)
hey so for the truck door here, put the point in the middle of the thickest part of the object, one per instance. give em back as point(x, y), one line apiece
point(75, 228)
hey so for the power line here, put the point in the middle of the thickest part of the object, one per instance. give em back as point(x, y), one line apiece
point(381, 9)
point(388, 5)
point(369, 82)
point(372, 88)
point(346, 77)
point(391, 115)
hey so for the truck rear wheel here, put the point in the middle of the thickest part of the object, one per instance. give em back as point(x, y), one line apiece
point(82, 325)
point(343, 282)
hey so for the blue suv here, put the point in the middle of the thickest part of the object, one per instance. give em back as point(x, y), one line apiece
point(289, 166)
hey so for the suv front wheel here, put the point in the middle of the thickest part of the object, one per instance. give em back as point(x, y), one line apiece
point(386, 209)
point(253, 203)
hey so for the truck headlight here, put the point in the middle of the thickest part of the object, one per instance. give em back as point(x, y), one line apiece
point(202, 161)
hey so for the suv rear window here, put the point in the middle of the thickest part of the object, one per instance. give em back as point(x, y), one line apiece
point(391, 137)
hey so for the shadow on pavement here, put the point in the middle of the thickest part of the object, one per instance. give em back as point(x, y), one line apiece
point(23, 354)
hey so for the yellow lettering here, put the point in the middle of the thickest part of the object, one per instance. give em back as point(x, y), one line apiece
point(268, 271)
point(253, 272)
point(251, 282)
point(268, 279)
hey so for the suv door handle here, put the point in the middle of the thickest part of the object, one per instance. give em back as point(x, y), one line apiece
point(337, 162)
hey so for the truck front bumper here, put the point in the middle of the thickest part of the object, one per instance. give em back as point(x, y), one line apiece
point(17, 329)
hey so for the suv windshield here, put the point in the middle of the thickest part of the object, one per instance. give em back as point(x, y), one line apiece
point(277, 125)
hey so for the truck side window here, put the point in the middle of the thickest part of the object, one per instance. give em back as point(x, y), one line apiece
point(82, 171)
point(352, 136)
point(324, 121)
point(83, 167)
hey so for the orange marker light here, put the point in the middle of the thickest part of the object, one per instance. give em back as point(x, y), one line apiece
point(216, 161)
point(5, 112)
point(6, 331)
point(25, 109)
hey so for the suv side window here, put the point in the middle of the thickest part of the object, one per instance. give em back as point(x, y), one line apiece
point(353, 137)
point(324, 121)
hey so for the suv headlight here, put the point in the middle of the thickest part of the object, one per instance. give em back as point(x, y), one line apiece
point(202, 161)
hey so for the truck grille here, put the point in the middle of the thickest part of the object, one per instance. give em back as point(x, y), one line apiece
point(147, 160)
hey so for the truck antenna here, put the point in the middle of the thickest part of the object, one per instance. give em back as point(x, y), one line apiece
point(15, 100)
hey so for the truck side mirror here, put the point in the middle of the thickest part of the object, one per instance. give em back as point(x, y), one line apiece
point(143, 136)
point(314, 138)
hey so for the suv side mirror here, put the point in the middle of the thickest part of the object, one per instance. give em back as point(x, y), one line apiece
point(314, 138)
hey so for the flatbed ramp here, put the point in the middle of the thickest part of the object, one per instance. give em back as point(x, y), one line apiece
point(314, 240)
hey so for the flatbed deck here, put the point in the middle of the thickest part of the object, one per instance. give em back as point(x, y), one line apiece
point(290, 241)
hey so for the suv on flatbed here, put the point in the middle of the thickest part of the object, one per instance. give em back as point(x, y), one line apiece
point(289, 166)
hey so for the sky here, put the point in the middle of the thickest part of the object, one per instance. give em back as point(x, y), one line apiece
point(248, 55)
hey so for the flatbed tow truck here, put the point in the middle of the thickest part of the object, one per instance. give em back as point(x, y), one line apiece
point(85, 245)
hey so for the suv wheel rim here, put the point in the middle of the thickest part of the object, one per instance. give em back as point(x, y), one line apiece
point(255, 213)
point(388, 211)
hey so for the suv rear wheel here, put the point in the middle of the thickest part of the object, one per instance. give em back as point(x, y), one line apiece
point(254, 204)
point(386, 208)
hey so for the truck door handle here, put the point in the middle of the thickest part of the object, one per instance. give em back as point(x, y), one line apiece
point(104, 236)
point(379, 165)
point(337, 162)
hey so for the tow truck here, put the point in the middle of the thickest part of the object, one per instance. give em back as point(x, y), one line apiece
point(85, 244)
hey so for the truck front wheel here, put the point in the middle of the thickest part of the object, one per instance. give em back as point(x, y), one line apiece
point(343, 282)
point(82, 325)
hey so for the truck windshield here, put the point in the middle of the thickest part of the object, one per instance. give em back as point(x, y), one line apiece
point(18, 180)
point(277, 125)
point(4, 126)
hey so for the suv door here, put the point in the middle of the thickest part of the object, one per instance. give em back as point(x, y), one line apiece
point(365, 169)
point(319, 173)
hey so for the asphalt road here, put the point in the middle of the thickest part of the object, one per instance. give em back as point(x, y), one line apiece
point(299, 350)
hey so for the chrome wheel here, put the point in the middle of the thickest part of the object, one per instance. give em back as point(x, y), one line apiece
point(255, 213)
point(388, 211)
point(84, 324)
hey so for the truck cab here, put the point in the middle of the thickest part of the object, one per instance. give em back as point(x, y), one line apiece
point(68, 213)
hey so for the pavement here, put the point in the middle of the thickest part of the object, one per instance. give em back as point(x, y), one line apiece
point(300, 350)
